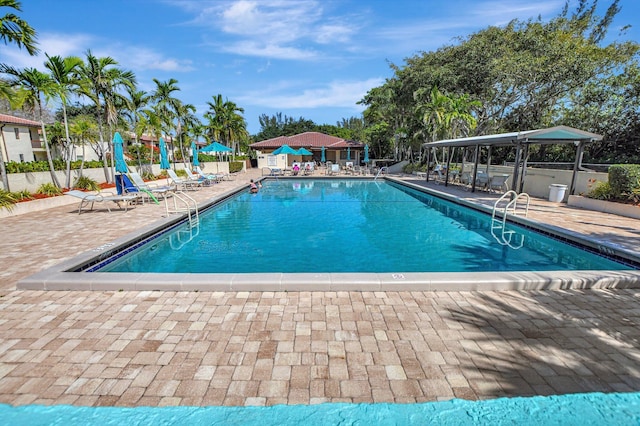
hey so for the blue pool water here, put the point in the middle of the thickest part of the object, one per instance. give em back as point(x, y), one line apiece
point(349, 226)
point(576, 409)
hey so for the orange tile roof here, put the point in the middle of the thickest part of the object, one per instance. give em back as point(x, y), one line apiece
point(307, 140)
point(10, 119)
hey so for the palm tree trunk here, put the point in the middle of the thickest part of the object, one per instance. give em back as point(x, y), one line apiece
point(105, 165)
point(69, 147)
point(3, 170)
point(54, 178)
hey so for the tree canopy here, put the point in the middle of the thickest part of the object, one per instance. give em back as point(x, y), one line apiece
point(524, 75)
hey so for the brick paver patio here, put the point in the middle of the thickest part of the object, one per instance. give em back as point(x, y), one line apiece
point(251, 348)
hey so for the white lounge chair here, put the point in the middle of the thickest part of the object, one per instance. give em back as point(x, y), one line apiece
point(196, 178)
point(150, 190)
point(482, 180)
point(183, 183)
point(88, 199)
point(498, 183)
point(210, 177)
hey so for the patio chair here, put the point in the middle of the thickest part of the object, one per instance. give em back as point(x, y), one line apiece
point(482, 180)
point(208, 178)
point(182, 183)
point(439, 173)
point(498, 183)
point(89, 199)
point(151, 191)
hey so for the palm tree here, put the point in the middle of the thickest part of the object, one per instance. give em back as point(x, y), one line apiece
point(16, 30)
point(100, 80)
point(185, 114)
point(64, 72)
point(226, 122)
point(167, 105)
point(137, 100)
point(84, 129)
point(37, 84)
point(434, 113)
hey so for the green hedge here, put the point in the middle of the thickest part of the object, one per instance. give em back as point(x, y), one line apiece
point(624, 179)
point(43, 166)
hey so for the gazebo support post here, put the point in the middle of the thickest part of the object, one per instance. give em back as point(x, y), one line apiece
point(576, 167)
point(516, 169)
point(446, 174)
point(525, 159)
point(428, 161)
point(475, 168)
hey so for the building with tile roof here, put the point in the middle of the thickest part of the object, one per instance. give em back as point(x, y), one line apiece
point(337, 150)
point(20, 139)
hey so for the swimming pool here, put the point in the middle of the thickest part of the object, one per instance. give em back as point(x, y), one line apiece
point(349, 234)
point(302, 226)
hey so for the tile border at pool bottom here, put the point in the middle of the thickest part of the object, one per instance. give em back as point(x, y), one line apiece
point(412, 281)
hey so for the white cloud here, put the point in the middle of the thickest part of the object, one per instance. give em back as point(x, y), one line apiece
point(336, 94)
point(144, 59)
point(273, 28)
point(128, 56)
point(268, 50)
point(50, 43)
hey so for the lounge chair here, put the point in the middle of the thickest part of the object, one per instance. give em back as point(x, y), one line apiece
point(308, 168)
point(200, 179)
point(152, 191)
point(210, 177)
point(88, 199)
point(482, 180)
point(439, 173)
point(498, 183)
point(182, 182)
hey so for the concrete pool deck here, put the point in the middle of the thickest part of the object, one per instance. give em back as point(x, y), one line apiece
point(155, 348)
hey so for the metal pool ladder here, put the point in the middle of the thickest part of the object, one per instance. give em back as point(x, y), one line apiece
point(383, 168)
point(498, 225)
point(183, 203)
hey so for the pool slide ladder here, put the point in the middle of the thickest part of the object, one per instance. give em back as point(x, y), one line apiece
point(504, 236)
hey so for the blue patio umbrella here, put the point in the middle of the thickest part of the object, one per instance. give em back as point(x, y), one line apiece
point(118, 155)
point(164, 160)
point(216, 147)
point(348, 153)
point(366, 154)
point(285, 149)
point(304, 151)
point(322, 157)
point(194, 150)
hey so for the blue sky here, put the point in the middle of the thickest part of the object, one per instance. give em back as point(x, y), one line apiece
point(305, 58)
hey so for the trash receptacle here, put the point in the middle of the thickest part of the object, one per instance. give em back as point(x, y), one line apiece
point(556, 192)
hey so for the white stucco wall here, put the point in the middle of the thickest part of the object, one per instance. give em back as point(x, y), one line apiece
point(16, 147)
point(31, 181)
point(537, 181)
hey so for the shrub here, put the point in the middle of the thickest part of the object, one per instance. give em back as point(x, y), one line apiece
point(148, 175)
point(85, 182)
point(22, 195)
point(414, 167)
point(49, 189)
point(7, 200)
point(624, 179)
point(602, 191)
point(235, 166)
point(181, 173)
